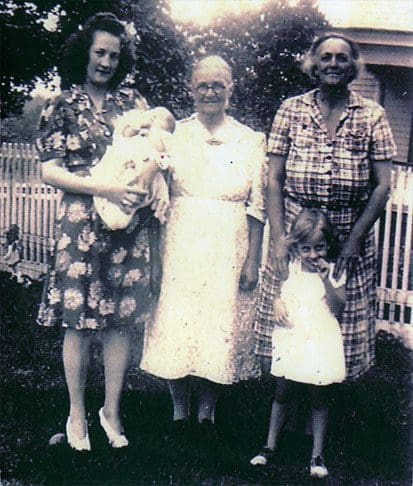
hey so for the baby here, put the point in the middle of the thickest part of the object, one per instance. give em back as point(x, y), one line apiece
point(124, 161)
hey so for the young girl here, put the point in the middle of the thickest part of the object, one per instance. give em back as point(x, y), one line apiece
point(307, 342)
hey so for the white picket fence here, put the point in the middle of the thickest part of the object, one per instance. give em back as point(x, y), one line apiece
point(31, 205)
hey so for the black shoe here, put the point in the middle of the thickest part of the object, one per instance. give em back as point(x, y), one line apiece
point(179, 432)
point(207, 432)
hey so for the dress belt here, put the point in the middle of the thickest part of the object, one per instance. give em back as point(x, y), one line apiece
point(329, 206)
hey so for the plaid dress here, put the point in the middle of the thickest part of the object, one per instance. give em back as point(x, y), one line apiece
point(334, 175)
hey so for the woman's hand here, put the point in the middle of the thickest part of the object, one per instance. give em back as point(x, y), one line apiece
point(249, 275)
point(124, 196)
point(161, 201)
point(348, 257)
point(280, 313)
point(280, 258)
point(155, 276)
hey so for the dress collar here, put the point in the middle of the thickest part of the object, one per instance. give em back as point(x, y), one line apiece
point(225, 134)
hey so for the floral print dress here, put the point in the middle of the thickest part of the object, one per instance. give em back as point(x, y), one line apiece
point(97, 277)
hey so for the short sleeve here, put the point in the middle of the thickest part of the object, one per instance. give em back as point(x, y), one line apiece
point(382, 146)
point(337, 283)
point(256, 199)
point(278, 143)
point(51, 142)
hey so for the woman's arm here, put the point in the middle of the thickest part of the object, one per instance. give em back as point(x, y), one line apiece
point(54, 174)
point(275, 209)
point(381, 179)
point(256, 215)
point(249, 273)
point(155, 256)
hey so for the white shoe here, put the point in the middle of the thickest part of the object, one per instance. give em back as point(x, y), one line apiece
point(265, 457)
point(115, 440)
point(317, 468)
point(76, 443)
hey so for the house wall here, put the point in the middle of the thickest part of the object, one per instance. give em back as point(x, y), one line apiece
point(398, 103)
point(393, 88)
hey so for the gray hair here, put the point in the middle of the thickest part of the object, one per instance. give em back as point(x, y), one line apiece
point(309, 60)
point(212, 61)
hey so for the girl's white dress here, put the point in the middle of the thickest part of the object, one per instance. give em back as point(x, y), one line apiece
point(312, 350)
point(203, 325)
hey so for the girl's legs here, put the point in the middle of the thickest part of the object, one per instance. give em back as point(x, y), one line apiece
point(278, 414)
point(278, 411)
point(319, 403)
point(116, 344)
point(208, 397)
point(75, 362)
point(180, 394)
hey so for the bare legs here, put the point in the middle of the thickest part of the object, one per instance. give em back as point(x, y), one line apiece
point(180, 393)
point(319, 403)
point(75, 360)
point(116, 344)
point(278, 412)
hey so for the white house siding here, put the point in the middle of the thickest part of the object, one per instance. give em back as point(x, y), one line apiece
point(395, 92)
point(398, 104)
point(367, 85)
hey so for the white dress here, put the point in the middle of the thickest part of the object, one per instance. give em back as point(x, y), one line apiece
point(203, 325)
point(312, 350)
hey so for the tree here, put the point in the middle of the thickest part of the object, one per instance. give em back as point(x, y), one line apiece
point(263, 49)
point(24, 127)
point(31, 51)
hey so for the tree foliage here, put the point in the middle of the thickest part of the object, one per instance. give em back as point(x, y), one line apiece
point(263, 48)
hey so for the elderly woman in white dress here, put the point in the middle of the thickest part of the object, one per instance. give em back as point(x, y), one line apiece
point(203, 323)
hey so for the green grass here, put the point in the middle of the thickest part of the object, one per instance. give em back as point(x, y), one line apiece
point(368, 442)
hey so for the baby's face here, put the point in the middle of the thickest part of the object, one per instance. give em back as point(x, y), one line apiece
point(129, 131)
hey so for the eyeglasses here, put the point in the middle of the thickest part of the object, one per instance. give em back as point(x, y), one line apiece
point(203, 88)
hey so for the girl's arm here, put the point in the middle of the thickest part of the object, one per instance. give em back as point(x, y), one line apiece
point(335, 295)
point(381, 178)
point(155, 256)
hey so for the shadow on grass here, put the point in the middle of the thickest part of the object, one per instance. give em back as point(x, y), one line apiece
point(368, 439)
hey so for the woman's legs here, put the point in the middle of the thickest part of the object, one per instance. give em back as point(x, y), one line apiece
point(208, 397)
point(116, 345)
point(180, 393)
point(75, 361)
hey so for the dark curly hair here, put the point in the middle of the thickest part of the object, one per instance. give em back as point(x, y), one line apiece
point(307, 222)
point(72, 68)
point(309, 60)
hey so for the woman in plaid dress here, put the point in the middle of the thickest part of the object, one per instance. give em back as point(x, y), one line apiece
point(330, 149)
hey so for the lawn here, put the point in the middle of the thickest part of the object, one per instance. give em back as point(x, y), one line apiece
point(369, 440)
